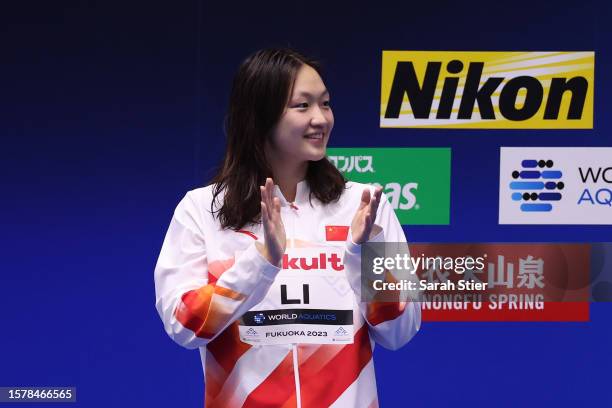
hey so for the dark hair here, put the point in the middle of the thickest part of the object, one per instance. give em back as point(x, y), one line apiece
point(260, 92)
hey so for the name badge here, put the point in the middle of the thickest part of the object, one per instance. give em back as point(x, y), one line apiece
point(310, 301)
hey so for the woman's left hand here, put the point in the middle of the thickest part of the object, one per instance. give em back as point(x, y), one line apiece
point(363, 227)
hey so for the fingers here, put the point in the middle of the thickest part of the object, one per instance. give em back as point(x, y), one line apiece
point(267, 196)
point(270, 193)
point(378, 192)
point(264, 213)
point(265, 221)
point(375, 201)
point(365, 198)
point(263, 193)
point(270, 206)
point(363, 221)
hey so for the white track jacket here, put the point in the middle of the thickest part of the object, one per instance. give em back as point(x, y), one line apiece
point(291, 336)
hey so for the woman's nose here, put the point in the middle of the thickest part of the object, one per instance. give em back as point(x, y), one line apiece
point(319, 117)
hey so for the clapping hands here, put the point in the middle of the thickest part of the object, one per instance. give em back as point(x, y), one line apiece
point(274, 230)
point(363, 227)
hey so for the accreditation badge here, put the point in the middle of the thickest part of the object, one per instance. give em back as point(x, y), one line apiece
point(310, 301)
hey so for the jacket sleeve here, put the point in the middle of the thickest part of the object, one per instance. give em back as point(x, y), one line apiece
point(193, 309)
point(391, 324)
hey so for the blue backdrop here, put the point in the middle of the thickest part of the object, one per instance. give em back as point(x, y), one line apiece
point(111, 111)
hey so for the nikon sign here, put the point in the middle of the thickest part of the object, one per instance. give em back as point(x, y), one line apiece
point(415, 180)
point(492, 90)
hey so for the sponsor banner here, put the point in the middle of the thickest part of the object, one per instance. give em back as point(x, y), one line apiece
point(489, 90)
point(492, 312)
point(482, 281)
point(524, 282)
point(416, 180)
point(555, 185)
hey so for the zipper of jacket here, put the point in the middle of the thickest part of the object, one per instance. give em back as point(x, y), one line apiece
point(296, 369)
point(296, 372)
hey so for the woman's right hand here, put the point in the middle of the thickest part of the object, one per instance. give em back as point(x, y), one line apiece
point(274, 230)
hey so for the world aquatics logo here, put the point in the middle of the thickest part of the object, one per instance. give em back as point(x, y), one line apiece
point(536, 185)
point(259, 318)
point(565, 185)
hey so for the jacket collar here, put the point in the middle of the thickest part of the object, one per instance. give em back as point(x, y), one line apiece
point(301, 195)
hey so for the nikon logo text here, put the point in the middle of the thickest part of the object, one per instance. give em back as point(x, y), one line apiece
point(535, 90)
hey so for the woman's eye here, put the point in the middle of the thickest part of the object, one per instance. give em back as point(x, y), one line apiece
point(301, 105)
point(326, 103)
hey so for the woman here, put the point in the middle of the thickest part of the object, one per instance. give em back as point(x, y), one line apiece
point(261, 269)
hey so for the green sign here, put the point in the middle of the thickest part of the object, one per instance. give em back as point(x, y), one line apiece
point(416, 180)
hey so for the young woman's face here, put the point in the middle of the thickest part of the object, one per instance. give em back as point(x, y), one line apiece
point(303, 130)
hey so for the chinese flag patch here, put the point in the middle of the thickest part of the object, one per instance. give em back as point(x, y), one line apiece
point(336, 232)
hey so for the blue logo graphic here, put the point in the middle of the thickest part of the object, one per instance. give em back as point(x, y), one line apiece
point(259, 318)
point(536, 188)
